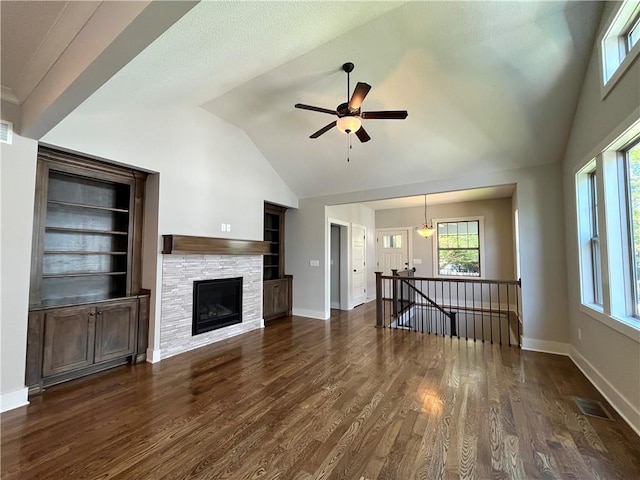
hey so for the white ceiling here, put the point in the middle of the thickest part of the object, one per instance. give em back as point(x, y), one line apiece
point(488, 85)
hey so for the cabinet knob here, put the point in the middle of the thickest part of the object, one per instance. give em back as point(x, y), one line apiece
point(92, 314)
point(99, 313)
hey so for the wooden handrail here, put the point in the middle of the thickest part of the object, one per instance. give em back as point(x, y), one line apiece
point(459, 280)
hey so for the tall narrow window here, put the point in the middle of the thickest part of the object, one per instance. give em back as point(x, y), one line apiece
point(632, 157)
point(595, 239)
point(459, 248)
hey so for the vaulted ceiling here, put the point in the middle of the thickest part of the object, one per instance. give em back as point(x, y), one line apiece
point(488, 85)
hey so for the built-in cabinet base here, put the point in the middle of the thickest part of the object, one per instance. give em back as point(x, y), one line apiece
point(68, 342)
point(277, 297)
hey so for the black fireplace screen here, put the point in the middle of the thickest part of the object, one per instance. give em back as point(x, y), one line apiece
point(216, 304)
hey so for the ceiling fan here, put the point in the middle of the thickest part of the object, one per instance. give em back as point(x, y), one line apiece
point(349, 114)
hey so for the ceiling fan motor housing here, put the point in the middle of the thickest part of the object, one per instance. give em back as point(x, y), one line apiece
point(342, 110)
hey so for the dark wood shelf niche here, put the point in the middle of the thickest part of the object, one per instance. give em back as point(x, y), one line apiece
point(278, 287)
point(88, 310)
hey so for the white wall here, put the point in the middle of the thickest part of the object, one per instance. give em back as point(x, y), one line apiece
point(609, 358)
point(542, 246)
point(17, 171)
point(498, 239)
point(209, 173)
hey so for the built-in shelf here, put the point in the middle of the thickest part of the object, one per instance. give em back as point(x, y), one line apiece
point(84, 230)
point(87, 308)
point(81, 205)
point(82, 274)
point(81, 252)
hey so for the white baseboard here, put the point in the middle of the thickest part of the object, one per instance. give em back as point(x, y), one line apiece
point(153, 356)
point(262, 323)
point(626, 409)
point(317, 314)
point(335, 305)
point(545, 346)
point(14, 399)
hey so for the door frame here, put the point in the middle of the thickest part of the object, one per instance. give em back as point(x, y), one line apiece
point(364, 263)
point(346, 302)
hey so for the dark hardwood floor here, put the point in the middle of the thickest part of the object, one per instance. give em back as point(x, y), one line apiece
point(306, 399)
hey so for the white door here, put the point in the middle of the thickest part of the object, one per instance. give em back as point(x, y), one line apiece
point(393, 253)
point(358, 255)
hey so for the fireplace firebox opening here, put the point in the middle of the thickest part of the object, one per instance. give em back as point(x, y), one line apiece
point(216, 304)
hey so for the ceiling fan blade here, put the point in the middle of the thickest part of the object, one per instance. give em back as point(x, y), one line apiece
point(315, 109)
point(324, 130)
point(362, 135)
point(385, 115)
point(358, 95)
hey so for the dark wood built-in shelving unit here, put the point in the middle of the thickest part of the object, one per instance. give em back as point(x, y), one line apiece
point(278, 287)
point(88, 310)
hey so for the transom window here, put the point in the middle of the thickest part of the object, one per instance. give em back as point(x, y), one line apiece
point(619, 46)
point(633, 34)
point(458, 246)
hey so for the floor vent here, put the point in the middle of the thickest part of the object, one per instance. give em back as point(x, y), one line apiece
point(592, 408)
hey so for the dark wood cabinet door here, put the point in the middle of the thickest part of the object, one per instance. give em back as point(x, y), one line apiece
point(281, 297)
point(116, 329)
point(277, 298)
point(267, 303)
point(69, 335)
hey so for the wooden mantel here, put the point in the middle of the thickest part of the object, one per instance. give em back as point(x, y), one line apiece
point(181, 244)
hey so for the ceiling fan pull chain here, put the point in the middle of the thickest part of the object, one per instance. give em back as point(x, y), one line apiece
point(348, 146)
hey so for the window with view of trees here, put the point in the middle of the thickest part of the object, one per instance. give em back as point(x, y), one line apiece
point(608, 214)
point(632, 157)
point(458, 245)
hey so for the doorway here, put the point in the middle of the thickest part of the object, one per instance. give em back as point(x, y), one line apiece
point(392, 253)
point(339, 265)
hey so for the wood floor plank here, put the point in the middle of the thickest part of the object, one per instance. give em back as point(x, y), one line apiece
point(308, 399)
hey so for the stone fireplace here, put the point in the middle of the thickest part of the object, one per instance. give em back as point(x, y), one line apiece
point(185, 265)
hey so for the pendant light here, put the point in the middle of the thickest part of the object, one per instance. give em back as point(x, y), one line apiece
point(426, 229)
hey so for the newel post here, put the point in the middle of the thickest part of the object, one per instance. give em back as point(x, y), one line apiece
point(394, 294)
point(379, 320)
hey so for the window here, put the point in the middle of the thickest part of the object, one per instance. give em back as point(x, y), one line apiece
point(608, 227)
point(619, 45)
point(633, 34)
point(589, 234)
point(632, 170)
point(392, 241)
point(458, 247)
point(596, 274)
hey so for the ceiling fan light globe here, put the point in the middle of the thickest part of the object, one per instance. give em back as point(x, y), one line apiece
point(349, 124)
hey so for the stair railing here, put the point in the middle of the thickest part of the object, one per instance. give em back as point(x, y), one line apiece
point(487, 310)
